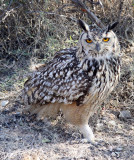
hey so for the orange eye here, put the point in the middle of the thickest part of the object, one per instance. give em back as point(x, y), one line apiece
point(88, 40)
point(106, 39)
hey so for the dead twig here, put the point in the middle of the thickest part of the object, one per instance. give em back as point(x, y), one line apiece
point(120, 9)
point(8, 66)
point(7, 12)
point(65, 5)
point(8, 8)
point(54, 14)
point(90, 14)
point(92, 2)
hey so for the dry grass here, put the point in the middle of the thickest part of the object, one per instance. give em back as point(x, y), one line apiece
point(31, 32)
point(39, 29)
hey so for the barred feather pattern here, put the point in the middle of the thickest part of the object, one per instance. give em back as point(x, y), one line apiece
point(66, 79)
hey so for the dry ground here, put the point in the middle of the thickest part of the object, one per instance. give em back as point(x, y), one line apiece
point(24, 138)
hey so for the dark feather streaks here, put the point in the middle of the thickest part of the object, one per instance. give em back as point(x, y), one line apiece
point(63, 80)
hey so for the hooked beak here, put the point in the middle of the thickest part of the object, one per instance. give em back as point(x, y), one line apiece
point(97, 47)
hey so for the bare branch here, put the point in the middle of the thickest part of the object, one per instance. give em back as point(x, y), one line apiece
point(65, 5)
point(90, 14)
point(8, 8)
point(120, 9)
point(53, 14)
point(6, 13)
point(92, 2)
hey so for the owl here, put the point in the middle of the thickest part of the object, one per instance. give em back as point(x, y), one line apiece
point(77, 80)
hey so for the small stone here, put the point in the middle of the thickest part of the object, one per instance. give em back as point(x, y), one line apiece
point(125, 114)
point(120, 126)
point(112, 116)
point(111, 123)
point(110, 148)
point(114, 102)
point(119, 149)
point(99, 126)
point(130, 84)
point(113, 154)
point(132, 127)
point(117, 154)
point(46, 141)
point(4, 103)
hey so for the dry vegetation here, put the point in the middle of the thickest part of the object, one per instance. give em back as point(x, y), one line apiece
point(30, 33)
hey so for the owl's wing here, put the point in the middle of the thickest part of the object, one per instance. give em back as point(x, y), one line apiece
point(61, 80)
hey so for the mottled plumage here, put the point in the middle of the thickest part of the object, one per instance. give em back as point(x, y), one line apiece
point(76, 80)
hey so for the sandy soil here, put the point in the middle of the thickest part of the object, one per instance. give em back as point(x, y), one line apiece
point(24, 138)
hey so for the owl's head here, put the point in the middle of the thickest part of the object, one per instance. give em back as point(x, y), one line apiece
point(98, 41)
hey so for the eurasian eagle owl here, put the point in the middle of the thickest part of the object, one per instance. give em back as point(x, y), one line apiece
point(77, 80)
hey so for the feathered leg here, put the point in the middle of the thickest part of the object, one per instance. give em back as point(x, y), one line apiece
point(48, 110)
point(79, 116)
point(87, 133)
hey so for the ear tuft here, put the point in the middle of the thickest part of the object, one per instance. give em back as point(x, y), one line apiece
point(83, 25)
point(112, 26)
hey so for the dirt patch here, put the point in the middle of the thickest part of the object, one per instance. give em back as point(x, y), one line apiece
point(24, 138)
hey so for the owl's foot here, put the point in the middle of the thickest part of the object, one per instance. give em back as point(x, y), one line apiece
point(94, 143)
point(87, 133)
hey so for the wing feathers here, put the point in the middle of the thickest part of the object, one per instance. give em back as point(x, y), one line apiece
point(56, 83)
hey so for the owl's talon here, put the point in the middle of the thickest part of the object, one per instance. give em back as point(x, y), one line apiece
point(84, 140)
